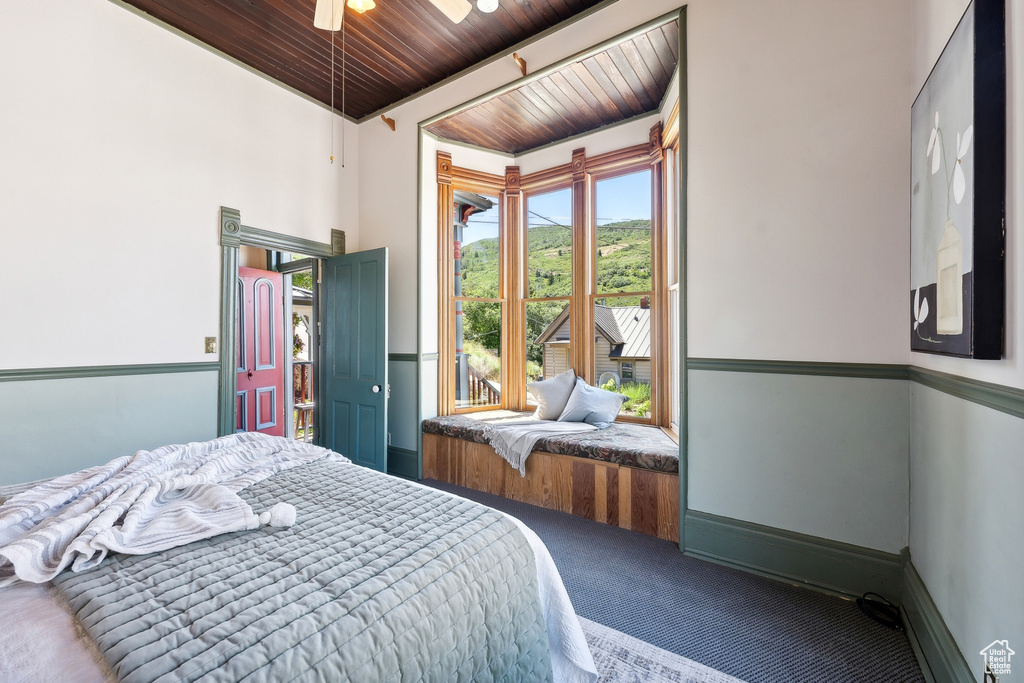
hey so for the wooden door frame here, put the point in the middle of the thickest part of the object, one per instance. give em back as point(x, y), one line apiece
point(233, 235)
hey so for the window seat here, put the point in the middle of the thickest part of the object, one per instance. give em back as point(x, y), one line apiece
point(626, 475)
point(623, 443)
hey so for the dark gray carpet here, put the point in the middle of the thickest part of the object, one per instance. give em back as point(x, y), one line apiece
point(757, 629)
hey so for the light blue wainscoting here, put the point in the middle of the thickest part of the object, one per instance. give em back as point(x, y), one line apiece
point(825, 455)
point(966, 507)
point(403, 423)
point(59, 421)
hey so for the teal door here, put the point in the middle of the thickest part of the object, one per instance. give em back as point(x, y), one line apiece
point(354, 339)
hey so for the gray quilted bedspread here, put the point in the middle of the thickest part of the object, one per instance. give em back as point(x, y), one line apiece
point(379, 580)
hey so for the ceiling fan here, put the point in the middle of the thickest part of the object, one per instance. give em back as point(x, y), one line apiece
point(329, 13)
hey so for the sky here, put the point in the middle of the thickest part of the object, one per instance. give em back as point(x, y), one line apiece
point(622, 198)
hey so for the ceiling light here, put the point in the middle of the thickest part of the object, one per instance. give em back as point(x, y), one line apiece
point(455, 10)
point(361, 5)
point(329, 14)
point(487, 5)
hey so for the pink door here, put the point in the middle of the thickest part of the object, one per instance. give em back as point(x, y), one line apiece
point(260, 371)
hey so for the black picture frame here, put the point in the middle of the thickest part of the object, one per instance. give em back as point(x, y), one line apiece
point(966, 93)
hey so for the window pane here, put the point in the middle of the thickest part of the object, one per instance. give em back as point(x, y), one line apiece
point(547, 340)
point(549, 244)
point(624, 233)
point(477, 256)
point(477, 354)
point(622, 352)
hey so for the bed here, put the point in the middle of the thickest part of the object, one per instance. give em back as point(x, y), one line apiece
point(379, 579)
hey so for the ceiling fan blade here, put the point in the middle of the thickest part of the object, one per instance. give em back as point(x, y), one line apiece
point(456, 10)
point(329, 14)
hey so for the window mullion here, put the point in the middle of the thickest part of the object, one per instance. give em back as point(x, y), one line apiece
point(659, 282)
point(513, 230)
point(446, 306)
point(581, 314)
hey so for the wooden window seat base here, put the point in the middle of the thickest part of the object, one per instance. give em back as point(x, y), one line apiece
point(643, 500)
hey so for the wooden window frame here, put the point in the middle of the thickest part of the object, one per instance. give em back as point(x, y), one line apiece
point(467, 180)
point(670, 210)
point(451, 178)
point(545, 182)
point(514, 190)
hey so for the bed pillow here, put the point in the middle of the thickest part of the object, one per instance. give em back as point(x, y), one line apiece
point(592, 405)
point(552, 394)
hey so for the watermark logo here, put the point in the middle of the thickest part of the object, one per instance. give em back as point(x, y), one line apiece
point(997, 657)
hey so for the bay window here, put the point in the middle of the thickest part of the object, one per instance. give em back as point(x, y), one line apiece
point(567, 268)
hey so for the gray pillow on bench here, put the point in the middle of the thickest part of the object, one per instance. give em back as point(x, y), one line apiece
point(552, 394)
point(592, 405)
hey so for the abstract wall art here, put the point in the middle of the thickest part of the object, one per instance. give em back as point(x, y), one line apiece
point(958, 192)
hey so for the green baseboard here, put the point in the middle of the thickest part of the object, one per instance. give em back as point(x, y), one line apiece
point(936, 650)
point(832, 567)
point(403, 462)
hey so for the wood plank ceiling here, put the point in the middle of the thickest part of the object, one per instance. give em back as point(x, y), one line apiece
point(625, 80)
point(393, 51)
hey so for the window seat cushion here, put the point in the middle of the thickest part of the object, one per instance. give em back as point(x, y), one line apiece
point(627, 444)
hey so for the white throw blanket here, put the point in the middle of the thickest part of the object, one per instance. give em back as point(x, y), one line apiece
point(145, 503)
point(514, 440)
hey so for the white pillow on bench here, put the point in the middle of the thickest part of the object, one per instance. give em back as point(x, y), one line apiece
point(552, 394)
point(592, 405)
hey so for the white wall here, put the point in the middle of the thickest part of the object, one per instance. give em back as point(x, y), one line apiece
point(966, 469)
point(118, 150)
point(798, 151)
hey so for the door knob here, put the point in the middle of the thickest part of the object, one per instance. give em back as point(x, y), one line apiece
point(376, 389)
point(249, 373)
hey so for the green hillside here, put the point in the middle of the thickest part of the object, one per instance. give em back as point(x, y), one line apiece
point(623, 265)
point(623, 261)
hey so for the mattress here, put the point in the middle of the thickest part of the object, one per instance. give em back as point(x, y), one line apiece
point(379, 580)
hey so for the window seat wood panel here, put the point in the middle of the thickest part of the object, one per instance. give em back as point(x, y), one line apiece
point(643, 500)
point(623, 443)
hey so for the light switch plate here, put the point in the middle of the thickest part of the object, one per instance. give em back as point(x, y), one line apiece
point(211, 344)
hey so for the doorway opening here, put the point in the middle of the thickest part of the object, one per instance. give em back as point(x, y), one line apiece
point(277, 343)
point(350, 388)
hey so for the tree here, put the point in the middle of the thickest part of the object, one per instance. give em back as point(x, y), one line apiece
point(303, 280)
point(481, 322)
